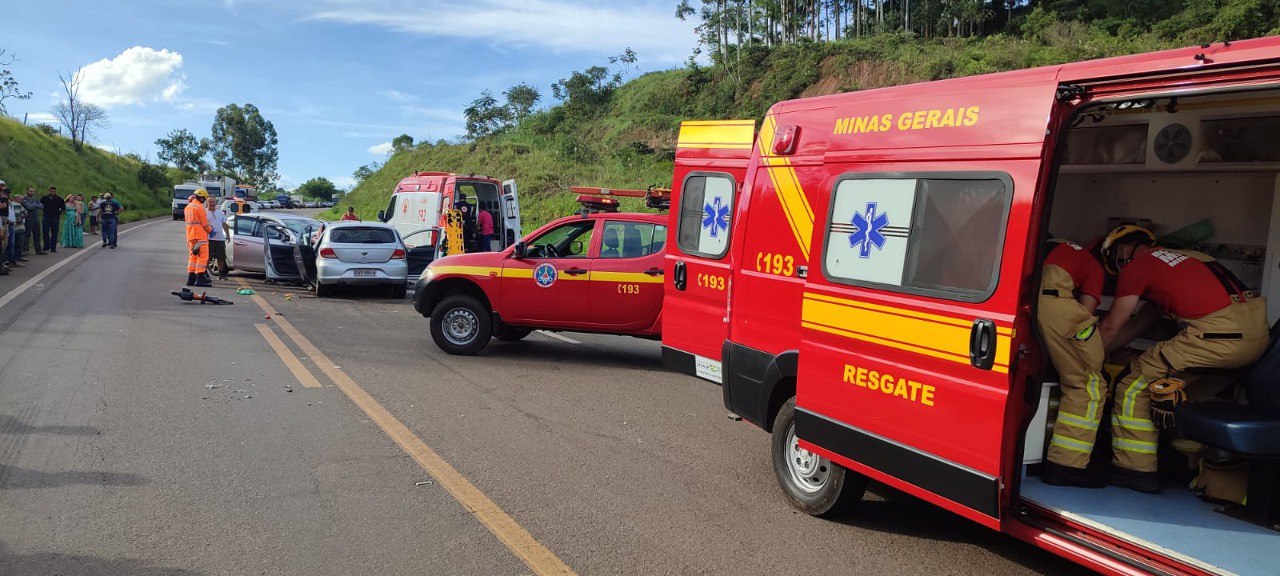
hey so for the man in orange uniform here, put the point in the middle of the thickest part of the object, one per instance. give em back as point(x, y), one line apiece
point(1225, 327)
point(198, 230)
point(1070, 290)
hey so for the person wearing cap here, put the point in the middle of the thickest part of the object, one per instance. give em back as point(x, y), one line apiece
point(1070, 291)
point(54, 207)
point(1225, 327)
point(18, 208)
point(198, 229)
point(109, 216)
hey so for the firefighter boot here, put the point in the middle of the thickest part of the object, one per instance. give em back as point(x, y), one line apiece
point(1059, 475)
point(202, 281)
point(191, 278)
point(1147, 482)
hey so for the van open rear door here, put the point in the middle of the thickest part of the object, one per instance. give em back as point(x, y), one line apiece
point(510, 213)
point(711, 161)
point(914, 310)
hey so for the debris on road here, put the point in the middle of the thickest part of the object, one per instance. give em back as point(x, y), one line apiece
point(422, 483)
point(245, 291)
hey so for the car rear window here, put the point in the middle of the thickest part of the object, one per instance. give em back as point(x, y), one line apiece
point(362, 236)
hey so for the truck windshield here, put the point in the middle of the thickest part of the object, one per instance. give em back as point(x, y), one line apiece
point(183, 193)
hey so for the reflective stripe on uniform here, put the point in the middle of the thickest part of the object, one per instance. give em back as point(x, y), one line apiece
point(1132, 423)
point(1137, 446)
point(1071, 444)
point(1077, 421)
point(1130, 398)
point(1094, 398)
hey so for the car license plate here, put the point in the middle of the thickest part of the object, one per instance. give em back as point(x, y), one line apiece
point(365, 272)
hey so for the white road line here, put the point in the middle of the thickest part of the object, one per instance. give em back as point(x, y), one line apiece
point(558, 337)
point(13, 294)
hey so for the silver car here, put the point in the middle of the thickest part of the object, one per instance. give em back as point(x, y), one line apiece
point(359, 254)
point(249, 232)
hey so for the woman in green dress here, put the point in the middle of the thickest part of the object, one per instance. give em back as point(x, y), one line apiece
point(73, 223)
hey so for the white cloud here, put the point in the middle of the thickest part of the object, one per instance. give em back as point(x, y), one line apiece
point(343, 182)
point(138, 75)
point(397, 95)
point(380, 149)
point(649, 28)
point(42, 118)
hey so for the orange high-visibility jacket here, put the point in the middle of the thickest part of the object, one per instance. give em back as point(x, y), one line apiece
point(197, 220)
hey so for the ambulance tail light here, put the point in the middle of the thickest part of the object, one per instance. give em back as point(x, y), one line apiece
point(784, 142)
point(328, 253)
point(398, 254)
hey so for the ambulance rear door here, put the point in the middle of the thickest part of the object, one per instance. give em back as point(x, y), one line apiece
point(510, 213)
point(711, 160)
point(916, 299)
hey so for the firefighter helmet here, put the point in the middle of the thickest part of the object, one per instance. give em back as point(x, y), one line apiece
point(1120, 235)
point(201, 192)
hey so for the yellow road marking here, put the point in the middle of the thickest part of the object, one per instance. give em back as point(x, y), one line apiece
point(537, 557)
point(300, 372)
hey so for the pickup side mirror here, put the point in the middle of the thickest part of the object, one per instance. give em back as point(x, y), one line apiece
point(519, 251)
point(382, 216)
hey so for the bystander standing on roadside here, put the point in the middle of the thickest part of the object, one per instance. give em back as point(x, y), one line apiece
point(34, 212)
point(73, 223)
point(54, 206)
point(93, 214)
point(109, 214)
point(351, 214)
point(19, 245)
point(9, 254)
point(218, 237)
point(4, 230)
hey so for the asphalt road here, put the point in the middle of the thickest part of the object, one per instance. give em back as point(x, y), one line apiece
point(141, 435)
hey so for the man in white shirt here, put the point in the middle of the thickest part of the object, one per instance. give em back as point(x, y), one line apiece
point(218, 237)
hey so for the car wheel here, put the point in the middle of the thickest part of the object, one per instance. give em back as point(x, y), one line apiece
point(322, 290)
point(461, 325)
point(213, 268)
point(812, 483)
point(398, 292)
point(511, 333)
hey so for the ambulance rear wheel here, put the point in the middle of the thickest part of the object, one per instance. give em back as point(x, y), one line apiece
point(812, 483)
point(461, 325)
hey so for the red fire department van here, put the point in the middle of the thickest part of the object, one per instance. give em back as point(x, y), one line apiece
point(597, 271)
point(861, 277)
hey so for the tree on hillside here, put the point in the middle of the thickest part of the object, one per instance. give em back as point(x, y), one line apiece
point(485, 117)
point(401, 143)
point(8, 85)
point(586, 91)
point(181, 149)
point(319, 188)
point(521, 99)
point(364, 172)
point(244, 144)
point(626, 62)
point(80, 118)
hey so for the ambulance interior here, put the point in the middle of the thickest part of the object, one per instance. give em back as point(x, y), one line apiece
point(1201, 172)
point(485, 196)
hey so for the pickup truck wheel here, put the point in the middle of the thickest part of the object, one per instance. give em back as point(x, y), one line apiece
point(461, 325)
point(511, 334)
point(812, 483)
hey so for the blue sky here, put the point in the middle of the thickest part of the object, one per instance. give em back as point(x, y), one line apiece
point(338, 78)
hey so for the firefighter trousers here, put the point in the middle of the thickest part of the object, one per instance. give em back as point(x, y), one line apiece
point(1075, 348)
point(198, 256)
point(1233, 337)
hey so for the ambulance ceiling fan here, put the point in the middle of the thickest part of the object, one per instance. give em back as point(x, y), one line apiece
point(1173, 143)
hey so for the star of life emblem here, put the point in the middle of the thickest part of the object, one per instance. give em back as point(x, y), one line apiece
point(867, 233)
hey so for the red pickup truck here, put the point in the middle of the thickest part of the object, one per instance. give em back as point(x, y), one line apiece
point(598, 272)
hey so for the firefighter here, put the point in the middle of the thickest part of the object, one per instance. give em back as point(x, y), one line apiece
point(198, 230)
point(1225, 327)
point(1070, 291)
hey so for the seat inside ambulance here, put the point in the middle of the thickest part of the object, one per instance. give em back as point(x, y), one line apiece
point(1203, 173)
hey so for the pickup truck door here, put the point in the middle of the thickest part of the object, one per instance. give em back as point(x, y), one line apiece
point(627, 279)
point(548, 285)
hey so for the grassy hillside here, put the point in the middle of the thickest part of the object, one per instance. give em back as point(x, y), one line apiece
point(30, 157)
point(629, 140)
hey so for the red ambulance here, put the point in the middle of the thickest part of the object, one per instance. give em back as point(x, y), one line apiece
point(861, 276)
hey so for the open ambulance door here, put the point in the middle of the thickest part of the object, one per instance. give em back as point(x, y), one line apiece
point(711, 161)
point(510, 214)
point(914, 314)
